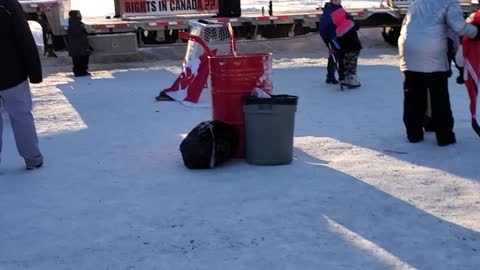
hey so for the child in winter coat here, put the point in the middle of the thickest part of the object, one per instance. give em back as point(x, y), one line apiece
point(78, 47)
point(340, 33)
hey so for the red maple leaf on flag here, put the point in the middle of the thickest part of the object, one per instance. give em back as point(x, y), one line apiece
point(190, 83)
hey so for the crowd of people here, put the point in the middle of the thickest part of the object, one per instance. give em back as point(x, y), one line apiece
point(425, 63)
point(429, 38)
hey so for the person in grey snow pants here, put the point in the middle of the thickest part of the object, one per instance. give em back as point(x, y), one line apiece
point(19, 61)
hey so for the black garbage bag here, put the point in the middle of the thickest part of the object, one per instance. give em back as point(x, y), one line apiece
point(209, 144)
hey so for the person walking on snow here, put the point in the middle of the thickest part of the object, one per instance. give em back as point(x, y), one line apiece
point(423, 60)
point(19, 61)
point(78, 47)
point(339, 32)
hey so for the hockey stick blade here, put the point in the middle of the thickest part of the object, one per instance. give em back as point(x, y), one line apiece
point(475, 126)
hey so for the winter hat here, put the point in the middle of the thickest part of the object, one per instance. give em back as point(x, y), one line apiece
point(73, 13)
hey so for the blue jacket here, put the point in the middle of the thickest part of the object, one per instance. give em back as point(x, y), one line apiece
point(326, 27)
point(349, 42)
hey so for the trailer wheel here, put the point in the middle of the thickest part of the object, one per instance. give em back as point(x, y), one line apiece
point(391, 34)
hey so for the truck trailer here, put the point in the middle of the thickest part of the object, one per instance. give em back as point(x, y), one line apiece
point(144, 23)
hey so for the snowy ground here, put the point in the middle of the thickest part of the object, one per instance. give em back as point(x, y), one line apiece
point(114, 193)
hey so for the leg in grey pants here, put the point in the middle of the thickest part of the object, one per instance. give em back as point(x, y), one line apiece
point(17, 102)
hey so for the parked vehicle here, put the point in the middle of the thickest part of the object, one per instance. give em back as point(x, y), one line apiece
point(142, 23)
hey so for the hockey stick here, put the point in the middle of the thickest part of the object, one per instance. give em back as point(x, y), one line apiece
point(332, 54)
point(475, 126)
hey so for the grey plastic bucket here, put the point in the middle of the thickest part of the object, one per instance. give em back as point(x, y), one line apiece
point(269, 129)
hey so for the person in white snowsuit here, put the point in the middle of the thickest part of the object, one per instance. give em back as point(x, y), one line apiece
point(424, 63)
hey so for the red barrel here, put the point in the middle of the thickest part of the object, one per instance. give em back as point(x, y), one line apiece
point(231, 78)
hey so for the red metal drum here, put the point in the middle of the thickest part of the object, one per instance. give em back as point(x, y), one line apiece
point(231, 78)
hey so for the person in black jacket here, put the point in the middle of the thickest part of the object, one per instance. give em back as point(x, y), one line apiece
point(19, 61)
point(78, 47)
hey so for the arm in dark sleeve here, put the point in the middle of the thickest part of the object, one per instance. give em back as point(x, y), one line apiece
point(323, 26)
point(327, 28)
point(26, 44)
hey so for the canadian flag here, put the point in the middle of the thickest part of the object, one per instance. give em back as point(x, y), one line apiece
point(190, 83)
point(470, 58)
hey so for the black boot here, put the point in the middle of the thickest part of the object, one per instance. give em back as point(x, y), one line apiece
point(415, 136)
point(460, 79)
point(331, 80)
point(445, 138)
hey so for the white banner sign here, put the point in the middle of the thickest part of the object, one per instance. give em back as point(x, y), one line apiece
point(131, 8)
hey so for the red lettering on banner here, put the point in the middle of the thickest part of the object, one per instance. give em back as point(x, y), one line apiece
point(168, 6)
point(134, 6)
point(207, 5)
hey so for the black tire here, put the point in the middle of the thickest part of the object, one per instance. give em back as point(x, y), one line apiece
point(391, 35)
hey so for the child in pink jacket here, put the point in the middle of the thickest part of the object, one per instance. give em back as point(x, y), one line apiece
point(337, 28)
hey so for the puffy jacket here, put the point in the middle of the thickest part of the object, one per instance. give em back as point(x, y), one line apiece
point(342, 22)
point(326, 27)
point(423, 39)
point(337, 28)
point(77, 38)
point(19, 57)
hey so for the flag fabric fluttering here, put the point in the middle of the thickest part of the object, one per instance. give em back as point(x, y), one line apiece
point(470, 52)
point(189, 85)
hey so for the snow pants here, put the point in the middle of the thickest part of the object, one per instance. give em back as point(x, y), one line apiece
point(350, 60)
point(17, 102)
point(80, 65)
point(416, 86)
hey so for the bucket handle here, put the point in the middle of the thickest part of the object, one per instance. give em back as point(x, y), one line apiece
point(199, 40)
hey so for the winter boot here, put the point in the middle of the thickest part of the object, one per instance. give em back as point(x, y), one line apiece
point(351, 82)
point(414, 136)
point(445, 138)
point(30, 167)
point(331, 80)
point(460, 79)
